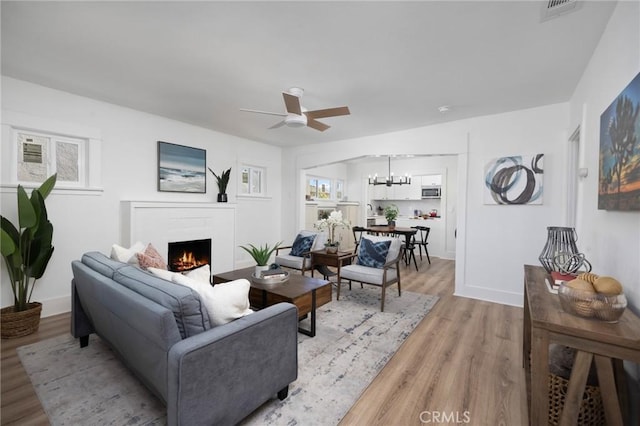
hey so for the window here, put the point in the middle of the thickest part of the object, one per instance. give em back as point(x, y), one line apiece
point(38, 147)
point(40, 155)
point(321, 188)
point(252, 180)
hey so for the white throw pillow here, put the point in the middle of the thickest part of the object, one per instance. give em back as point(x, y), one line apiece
point(127, 255)
point(224, 302)
point(202, 274)
point(162, 273)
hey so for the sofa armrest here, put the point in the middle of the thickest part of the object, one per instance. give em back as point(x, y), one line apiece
point(223, 374)
point(81, 326)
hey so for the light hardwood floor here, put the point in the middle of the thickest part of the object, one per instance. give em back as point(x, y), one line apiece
point(461, 364)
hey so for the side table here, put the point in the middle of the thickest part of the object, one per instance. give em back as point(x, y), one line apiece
point(337, 260)
point(545, 322)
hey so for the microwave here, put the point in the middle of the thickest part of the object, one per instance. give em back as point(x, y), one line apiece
point(431, 192)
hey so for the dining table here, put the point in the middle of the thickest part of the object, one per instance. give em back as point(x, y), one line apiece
point(408, 233)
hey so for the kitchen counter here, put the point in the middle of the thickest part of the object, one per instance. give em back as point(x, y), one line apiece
point(406, 217)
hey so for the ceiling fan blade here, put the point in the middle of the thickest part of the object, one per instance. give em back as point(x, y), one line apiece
point(280, 114)
point(329, 112)
point(292, 103)
point(315, 124)
point(279, 124)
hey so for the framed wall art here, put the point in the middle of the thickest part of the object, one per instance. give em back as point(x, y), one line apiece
point(514, 180)
point(619, 168)
point(181, 168)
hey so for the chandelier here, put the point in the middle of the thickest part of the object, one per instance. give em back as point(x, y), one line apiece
point(390, 179)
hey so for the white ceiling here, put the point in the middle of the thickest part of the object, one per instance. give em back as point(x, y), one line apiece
point(393, 63)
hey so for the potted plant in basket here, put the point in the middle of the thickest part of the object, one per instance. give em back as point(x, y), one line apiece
point(391, 213)
point(261, 255)
point(223, 181)
point(26, 250)
point(331, 223)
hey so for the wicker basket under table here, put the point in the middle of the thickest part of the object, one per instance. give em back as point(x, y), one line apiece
point(591, 411)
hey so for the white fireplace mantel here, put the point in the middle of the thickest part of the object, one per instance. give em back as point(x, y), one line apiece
point(162, 222)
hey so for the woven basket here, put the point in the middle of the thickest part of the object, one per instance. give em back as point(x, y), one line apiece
point(18, 324)
point(591, 412)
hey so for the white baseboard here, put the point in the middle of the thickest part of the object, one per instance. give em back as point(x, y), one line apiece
point(55, 306)
point(491, 295)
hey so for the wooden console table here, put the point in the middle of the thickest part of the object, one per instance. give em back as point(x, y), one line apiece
point(546, 322)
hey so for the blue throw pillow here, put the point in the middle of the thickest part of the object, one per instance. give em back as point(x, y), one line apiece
point(302, 245)
point(373, 254)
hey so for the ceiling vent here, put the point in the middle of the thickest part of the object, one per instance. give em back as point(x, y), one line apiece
point(553, 8)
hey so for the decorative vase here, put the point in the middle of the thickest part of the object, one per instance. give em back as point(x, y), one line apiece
point(391, 223)
point(561, 242)
point(260, 268)
point(22, 323)
point(331, 248)
point(222, 198)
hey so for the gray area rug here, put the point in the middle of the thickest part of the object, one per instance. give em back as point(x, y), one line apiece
point(353, 343)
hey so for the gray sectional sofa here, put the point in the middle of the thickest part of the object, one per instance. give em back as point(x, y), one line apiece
point(205, 375)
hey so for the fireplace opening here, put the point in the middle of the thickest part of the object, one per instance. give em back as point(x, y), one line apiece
point(188, 255)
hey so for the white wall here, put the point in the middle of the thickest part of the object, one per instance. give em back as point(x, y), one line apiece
point(610, 239)
point(129, 172)
point(494, 242)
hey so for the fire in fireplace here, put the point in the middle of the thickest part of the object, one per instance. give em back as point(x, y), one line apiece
point(187, 255)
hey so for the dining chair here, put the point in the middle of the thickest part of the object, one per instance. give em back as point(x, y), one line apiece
point(357, 236)
point(408, 250)
point(423, 233)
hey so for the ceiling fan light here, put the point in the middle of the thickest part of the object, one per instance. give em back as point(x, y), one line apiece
point(294, 120)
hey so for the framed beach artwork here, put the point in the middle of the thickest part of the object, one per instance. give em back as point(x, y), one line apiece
point(619, 168)
point(514, 180)
point(181, 168)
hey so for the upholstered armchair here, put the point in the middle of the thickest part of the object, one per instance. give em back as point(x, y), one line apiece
point(377, 262)
point(296, 256)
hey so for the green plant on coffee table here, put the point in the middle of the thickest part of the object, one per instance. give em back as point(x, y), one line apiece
point(391, 212)
point(27, 248)
point(261, 254)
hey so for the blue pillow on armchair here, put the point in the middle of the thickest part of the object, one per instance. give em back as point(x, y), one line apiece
point(302, 245)
point(373, 254)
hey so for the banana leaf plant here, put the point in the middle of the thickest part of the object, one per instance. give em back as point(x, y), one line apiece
point(27, 248)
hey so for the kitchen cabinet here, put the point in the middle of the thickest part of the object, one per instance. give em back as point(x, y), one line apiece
point(380, 192)
point(431, 180)
point(412, 191)
point(310, 216)
point(350, 213)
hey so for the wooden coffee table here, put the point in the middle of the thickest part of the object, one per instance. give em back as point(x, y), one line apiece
point(306, 293)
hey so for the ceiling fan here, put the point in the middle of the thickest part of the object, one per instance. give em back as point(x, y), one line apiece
point(298, 116)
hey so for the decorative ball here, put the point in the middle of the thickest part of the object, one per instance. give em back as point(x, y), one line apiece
point(571, 263)
point(581, 285)
point(607, 285)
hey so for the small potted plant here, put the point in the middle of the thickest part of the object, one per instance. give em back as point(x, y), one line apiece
point(391, 213)
point(333, 221)
point(26, 250)
point(223, 181)
point(261, 255)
